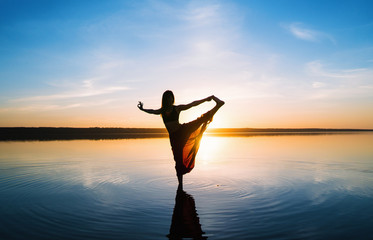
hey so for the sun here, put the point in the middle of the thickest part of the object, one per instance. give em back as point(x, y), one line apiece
point(217, 122)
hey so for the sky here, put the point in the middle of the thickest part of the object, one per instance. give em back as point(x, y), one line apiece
point(276, 64)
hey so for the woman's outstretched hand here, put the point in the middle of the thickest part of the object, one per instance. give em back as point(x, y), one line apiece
point(140, 105)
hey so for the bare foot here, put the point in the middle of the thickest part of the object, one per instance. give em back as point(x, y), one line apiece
point(218, 101)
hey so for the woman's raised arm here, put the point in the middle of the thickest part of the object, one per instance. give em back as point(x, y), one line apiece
point(195, 103)
point(151, 111)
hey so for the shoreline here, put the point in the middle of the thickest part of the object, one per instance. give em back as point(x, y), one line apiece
point(98, 133)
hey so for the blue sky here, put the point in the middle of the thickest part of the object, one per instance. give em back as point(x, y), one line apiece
point(275, 63)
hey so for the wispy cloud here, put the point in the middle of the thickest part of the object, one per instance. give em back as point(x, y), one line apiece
point(103, 80)
point(299, 31)
point(318, 84)
point(316, 68)
point(71, 95)
point(329, 83)
point(203, 14)
point(47, 106)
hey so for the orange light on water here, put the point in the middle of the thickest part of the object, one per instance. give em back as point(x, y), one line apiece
point(209, 149)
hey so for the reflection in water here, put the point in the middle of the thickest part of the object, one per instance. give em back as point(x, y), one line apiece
point(185, 220)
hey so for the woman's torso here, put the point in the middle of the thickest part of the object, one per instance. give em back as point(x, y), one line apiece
point(171, 119)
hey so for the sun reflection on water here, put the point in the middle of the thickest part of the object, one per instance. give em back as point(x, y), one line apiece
point(209, 149)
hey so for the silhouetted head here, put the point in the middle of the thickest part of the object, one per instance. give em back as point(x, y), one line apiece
point(168, 99)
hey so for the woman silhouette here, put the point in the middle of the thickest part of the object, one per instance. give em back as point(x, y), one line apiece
point(185, 138)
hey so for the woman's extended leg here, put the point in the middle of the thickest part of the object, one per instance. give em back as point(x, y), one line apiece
point(207, 117)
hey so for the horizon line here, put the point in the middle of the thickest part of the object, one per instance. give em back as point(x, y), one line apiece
point(96, 133)
point(217, 128)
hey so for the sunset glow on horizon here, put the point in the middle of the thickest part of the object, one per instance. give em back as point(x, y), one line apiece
point(276, 64)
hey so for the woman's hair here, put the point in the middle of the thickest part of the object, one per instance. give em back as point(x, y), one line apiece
point(165, 97)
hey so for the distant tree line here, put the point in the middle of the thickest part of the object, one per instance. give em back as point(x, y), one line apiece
point(67, 133)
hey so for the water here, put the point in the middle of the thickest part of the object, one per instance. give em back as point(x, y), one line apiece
point(269, 187)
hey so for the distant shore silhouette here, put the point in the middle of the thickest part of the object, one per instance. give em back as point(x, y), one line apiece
point(97, 133)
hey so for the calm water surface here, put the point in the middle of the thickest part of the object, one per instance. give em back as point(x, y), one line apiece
point(279, 187)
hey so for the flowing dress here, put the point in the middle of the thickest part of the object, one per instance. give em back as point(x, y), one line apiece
point(185, 141)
